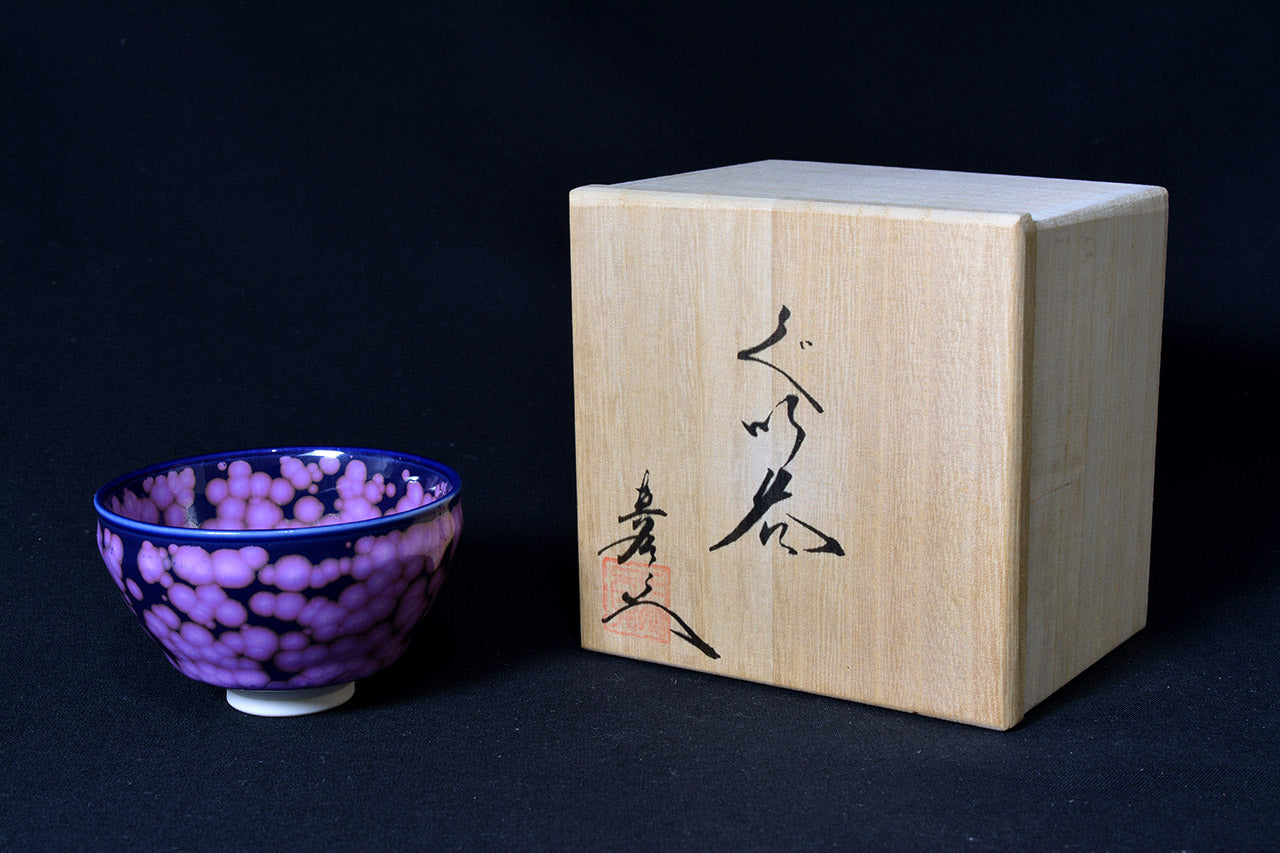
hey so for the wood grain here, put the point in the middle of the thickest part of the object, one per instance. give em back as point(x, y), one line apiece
point(940, 397)
point(1099, 286)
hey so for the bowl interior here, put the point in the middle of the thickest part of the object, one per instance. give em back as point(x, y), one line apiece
point(277, 489)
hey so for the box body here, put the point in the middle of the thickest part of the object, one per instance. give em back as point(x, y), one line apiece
point(880, 434)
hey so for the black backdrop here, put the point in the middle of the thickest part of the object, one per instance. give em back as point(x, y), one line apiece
point(236, 225)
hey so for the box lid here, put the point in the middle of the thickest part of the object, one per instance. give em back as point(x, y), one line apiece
point(787, 182)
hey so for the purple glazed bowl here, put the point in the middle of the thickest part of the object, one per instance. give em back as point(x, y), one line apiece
point(281, 575)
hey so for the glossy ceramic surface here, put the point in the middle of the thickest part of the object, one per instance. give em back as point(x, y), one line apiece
point(278, 570)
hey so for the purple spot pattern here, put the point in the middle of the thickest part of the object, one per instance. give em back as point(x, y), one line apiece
point(245, 499)
point(249, 618)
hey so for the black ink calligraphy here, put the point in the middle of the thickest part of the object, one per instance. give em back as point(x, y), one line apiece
point(773, 488)
point(642, 541)
point(642, 518)
point(685, 633)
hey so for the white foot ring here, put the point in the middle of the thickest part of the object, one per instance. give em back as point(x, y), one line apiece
point(290, 703)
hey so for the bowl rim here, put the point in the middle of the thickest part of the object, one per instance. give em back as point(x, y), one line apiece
point(294, 534)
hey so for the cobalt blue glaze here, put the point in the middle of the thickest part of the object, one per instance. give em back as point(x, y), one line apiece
point(285, 568)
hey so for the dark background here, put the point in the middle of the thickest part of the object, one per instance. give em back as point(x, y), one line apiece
point(243, 225)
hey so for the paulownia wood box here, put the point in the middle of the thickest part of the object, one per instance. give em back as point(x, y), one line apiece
point(882, 434)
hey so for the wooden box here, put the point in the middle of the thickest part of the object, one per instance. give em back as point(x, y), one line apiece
point(882, 434)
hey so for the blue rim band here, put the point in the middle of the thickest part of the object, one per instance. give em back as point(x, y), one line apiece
point(241, 537)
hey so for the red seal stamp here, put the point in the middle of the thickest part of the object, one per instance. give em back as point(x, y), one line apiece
point(625, 584)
